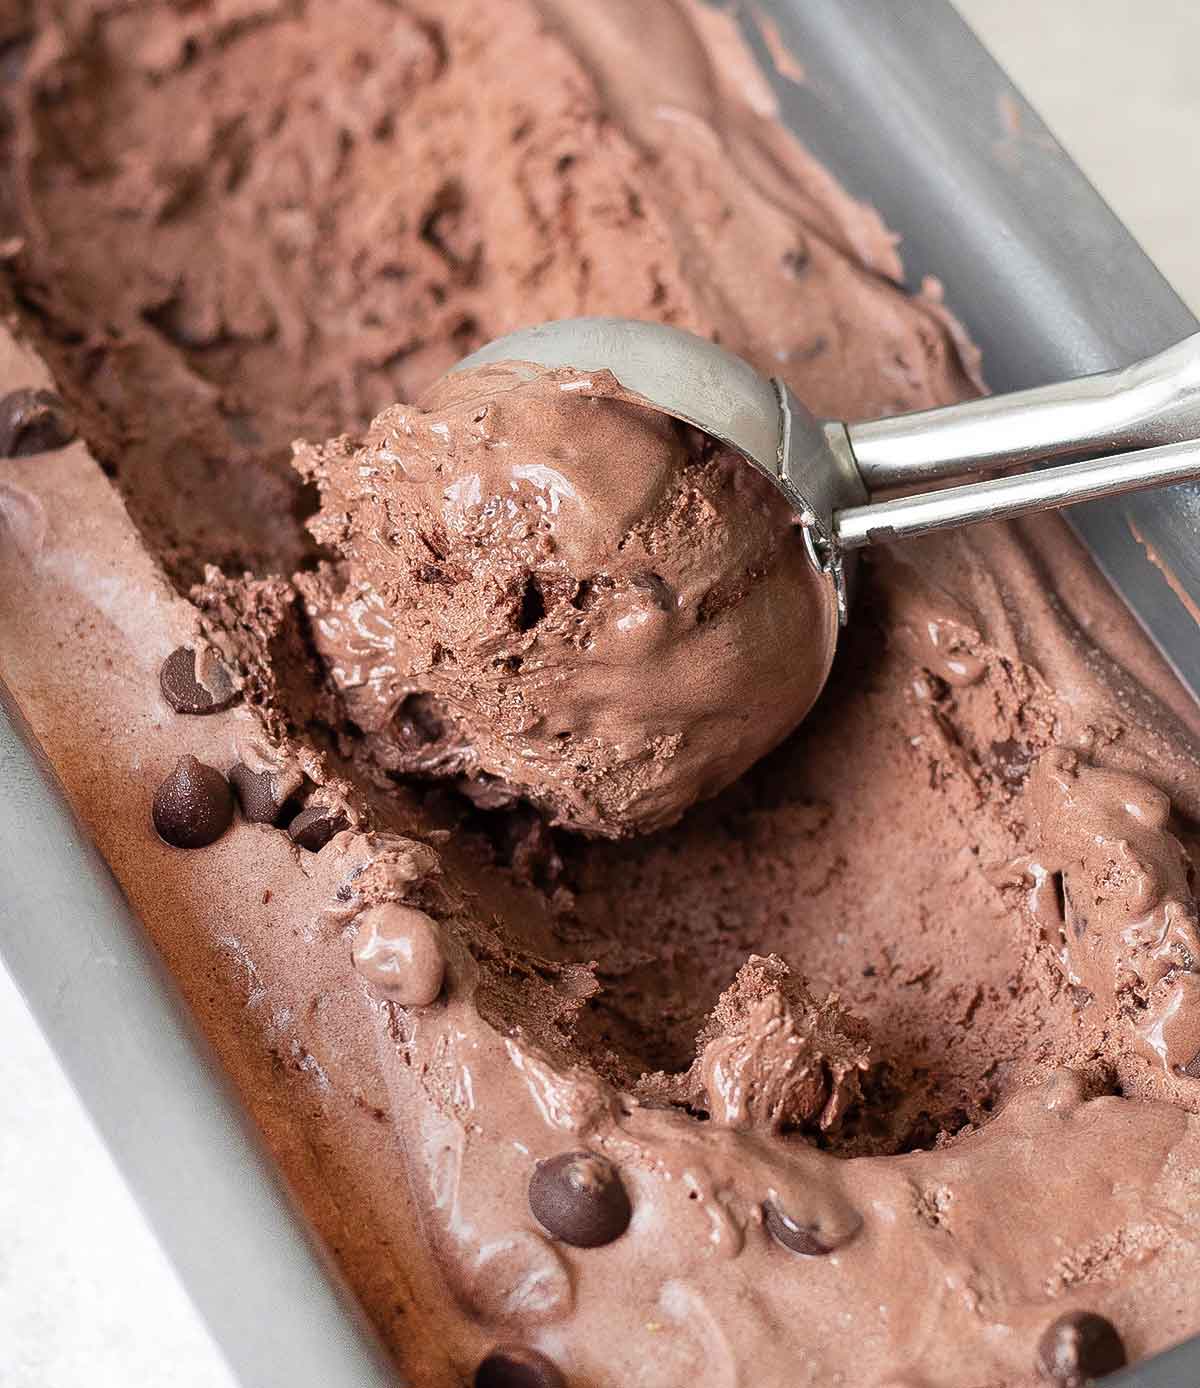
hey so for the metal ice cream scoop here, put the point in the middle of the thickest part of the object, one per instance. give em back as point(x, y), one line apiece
point(1142, 422)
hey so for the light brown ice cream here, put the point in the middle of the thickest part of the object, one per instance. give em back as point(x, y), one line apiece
point(771, 1057)
point(991, 706)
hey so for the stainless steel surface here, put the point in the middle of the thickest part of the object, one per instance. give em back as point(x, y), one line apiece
point(1006, 498)
point(1154, 401)
point(178, 1134)
point(1173, 1368)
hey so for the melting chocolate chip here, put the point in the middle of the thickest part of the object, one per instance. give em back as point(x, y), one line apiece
point(1079, 1347)
point(33, 421)
point(196, 686)
point(799, 1238)
point(258, 795)
point(194, 806)
point(578, 1197)
point(314, 827)
point(515, 1366)
point(398, 950)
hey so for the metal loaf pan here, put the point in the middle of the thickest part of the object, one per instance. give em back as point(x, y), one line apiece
point(905, 106)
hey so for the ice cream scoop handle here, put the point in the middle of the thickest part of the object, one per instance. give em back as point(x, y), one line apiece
point(1154, 401)
point(1006, 498)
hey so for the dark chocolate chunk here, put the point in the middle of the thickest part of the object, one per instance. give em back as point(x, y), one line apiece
point(188, 688)
point(257, 793)
point(314, 827)
point(806, 1240)
point(1012, 761)
point(515, 1366)
point(1079, 1347)
point(194, 806)
point(578, 1197)
point(796, 261)
point(33, 421)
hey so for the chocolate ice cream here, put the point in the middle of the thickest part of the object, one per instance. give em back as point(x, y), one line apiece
point(555, 592)
point(771, 1057)
point(879, 1066)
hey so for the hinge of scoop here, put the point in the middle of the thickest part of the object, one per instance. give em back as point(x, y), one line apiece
point(818, 475)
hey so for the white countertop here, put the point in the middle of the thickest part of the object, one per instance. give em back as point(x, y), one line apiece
point(1116, 82)
point(86, 1297)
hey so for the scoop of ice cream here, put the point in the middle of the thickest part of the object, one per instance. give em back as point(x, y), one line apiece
point(771, 1057)
point(555, 592)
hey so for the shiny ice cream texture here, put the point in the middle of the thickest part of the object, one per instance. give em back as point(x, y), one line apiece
point(878, 1066)
point(556, 592)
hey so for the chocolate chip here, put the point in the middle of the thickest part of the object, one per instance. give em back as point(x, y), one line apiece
point(515, 1366)
point(578, 1197)
point(314, 827)
point(192, 686)
point(1012, 761)
point(33, 421)
point(194, 806)
point(1079, 1347)
point(258, 795)
point(799, 1238)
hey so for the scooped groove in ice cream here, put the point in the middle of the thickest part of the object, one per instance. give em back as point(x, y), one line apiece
point(556, 592)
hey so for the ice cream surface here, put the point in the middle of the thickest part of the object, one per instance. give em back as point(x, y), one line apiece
point(880, 1065)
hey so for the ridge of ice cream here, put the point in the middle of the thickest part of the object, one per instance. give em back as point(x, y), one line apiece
point(552, 591)
point(822, 1083)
